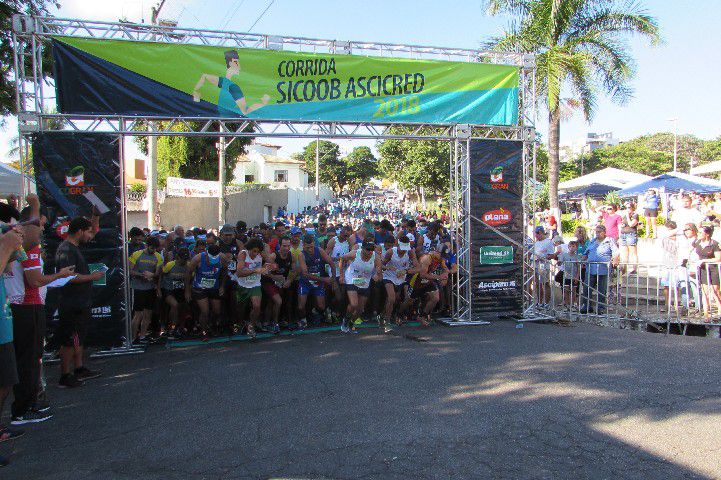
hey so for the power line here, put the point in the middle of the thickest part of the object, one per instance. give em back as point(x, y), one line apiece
point(261, 15)
point(230, 17)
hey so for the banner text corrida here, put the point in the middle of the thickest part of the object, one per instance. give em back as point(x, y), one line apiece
point(98, 76)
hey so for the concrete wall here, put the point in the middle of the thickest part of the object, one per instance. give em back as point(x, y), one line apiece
point(299, 198)
point(254, 206)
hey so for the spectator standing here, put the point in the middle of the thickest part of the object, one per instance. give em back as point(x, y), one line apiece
point(25, 284)
point(9, 243)
point(650, 211)
point(628, 239)
point(687, 213)
point(75, 302)
point(611, 220)
point(543, 250)
point(709, 257)
point(602, 251)
point(671, 263)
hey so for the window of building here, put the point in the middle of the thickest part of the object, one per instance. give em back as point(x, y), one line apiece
point(249, 178)
point(281, 176)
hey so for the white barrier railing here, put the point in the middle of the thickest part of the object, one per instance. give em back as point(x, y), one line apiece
point(638, 293)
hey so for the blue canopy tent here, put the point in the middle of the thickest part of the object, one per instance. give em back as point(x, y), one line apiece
point(672, 182)
point(594, 190)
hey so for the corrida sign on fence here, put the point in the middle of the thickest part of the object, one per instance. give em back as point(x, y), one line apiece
point(107, 77)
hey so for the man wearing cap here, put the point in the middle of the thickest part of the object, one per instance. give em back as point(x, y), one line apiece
point(602, 251)
point(543, 250)
point(313, 279)
point(398, 262)
point(145, 266)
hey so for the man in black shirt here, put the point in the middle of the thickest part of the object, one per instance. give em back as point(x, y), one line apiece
point(75, 302)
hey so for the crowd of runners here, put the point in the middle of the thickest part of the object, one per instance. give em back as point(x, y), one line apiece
point(340, 264)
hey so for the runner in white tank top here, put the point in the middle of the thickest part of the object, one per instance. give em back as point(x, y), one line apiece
point(397, 264)
point(364, 265)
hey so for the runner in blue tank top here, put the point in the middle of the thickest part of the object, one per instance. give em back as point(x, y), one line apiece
point(205, 284)
point(314, 279)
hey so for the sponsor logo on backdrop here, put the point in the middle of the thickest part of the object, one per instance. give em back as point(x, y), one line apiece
point(61, 229)
point(497, 285)
point(498, 217)
point(75, 181)
point(497, 182)
point(496, 255)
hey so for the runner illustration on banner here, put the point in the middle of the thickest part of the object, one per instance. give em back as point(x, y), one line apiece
point(231, 102)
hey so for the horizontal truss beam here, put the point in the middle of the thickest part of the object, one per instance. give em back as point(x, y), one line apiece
point(233, 127)
point(47, 26)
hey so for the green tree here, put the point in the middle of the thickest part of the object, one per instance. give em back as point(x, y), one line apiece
point(7, 80)
point(416, 164)
point(711, 151)
point(193, 157)
point(361, 166)
point(332, 170)
point(579, 49)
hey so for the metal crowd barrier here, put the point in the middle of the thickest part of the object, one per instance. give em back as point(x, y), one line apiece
point(639, 296)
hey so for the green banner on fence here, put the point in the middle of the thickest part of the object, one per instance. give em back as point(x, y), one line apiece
point(99, 75)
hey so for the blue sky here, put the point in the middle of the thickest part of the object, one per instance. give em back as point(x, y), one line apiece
point(674, 80)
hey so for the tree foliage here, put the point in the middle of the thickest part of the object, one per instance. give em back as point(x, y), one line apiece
point(361, 166)
point(416, 164)
point(7, 81)
point(711, 151)
point(193, 157)
point(331, 171)
point(580, 49)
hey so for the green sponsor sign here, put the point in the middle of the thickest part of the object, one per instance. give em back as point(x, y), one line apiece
point(278, 85)
point(496, 255)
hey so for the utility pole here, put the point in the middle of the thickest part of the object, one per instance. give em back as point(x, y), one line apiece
point(317, 171)
point(152, 192)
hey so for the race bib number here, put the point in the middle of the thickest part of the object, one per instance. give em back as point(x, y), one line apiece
point(178, 285)
point(207, 283)
point(360, 282)
point(401, 273)
point(232, 266)
point(313, 283)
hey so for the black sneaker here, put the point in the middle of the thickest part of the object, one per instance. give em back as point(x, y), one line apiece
point(83, 374)
point(41, 404)
point(31, 417)
point(69, 381)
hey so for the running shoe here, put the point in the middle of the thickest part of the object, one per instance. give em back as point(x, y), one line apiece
point(302, 324)
point(41, 404)
point(31, 417)
point(84, 373)
point(344, 326)
point(358, 321)
point(69, 381)
point(275, 328)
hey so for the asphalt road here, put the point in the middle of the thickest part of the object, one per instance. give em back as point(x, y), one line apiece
point(481, 402)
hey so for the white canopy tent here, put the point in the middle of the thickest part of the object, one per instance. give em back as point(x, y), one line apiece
point(11, 181)
point(613, 177)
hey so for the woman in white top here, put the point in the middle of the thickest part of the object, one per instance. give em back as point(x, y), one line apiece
point(362, 265)
point(336, 248)
point(398, 262)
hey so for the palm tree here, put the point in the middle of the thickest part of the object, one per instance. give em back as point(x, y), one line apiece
point(580, 49)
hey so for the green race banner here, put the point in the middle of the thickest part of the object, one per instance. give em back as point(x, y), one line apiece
point(496, 255)
point(97, 76)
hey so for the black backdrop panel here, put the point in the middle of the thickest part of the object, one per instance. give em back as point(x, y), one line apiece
point(496, 197)
point(73, 172)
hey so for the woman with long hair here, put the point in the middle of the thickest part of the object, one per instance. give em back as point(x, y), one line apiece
point(709, 258)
